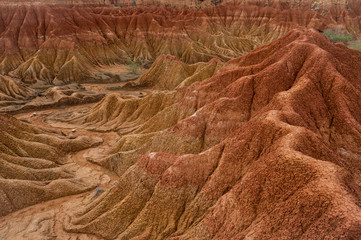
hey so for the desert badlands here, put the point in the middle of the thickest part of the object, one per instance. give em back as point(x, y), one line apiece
point(180, 119)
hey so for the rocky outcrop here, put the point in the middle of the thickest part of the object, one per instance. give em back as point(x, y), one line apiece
point(10, 91)
point(221, 138)
point(68, 95)
point(66, 43)
point(34, 166)
point(267, 148)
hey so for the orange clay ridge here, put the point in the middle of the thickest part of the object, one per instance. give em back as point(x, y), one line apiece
point(160, 119)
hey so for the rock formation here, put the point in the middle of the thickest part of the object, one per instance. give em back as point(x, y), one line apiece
point(195, 120)
point(71, 43)
point(267, 148)
point(169, 73)
point(10, 91)
point(67, 95)
point(34, 166)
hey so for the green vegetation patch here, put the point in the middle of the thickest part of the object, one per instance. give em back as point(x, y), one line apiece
point(134, 67)
point(355, 45)
point(337, 36)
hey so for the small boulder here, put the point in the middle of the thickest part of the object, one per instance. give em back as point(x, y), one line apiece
point(72, 136)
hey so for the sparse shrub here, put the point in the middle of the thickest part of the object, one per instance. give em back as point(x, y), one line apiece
point(356, 45)
point(134, 67)
point(337, 36)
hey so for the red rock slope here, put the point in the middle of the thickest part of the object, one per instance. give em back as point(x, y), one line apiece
point(66, 43)
point(272, 151)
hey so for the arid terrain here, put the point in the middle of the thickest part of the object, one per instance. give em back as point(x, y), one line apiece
point(161, 119)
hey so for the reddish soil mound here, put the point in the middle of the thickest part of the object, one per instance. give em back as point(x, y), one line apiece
point(72, 43)
point(34, 166)
point(272, 151)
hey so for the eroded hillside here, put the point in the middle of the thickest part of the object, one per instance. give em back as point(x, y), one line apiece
point(234, 121)
point(71, 43)
point(267, 146)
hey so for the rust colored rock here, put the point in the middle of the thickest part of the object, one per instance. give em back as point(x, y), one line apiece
point(230, 134)
point(66, 43)
point(272, 151)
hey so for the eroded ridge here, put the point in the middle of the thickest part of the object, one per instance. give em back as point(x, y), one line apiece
point(35, 166)
point(72, 43)
point(268, 147)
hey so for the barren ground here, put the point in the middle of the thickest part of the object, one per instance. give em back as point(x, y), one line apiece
point(45, 219)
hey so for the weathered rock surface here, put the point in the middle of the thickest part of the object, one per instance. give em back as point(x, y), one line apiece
point(211, 142)
point(271, 151)
point(71, 43)
point(169, 73)
point(57, 96)
point(34, 166)
point(10, 90)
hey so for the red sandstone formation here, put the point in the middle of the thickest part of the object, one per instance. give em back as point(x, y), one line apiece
point(205, 144)
point(54, 43)
point(271, 151)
